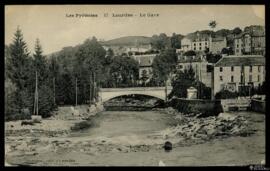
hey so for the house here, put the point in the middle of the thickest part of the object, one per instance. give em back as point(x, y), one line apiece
point(199, 65)
point(217, 44)
point(234, 73)
point(145, 65)
point(251, 42)
point(185, 45)
point(202, 42)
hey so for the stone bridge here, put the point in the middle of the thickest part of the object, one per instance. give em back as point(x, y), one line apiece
point(106, 94)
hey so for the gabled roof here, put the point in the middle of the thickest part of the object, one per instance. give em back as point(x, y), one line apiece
point(245, 60)
point(218, 39)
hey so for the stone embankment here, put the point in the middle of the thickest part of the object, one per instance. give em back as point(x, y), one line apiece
point(191, 128)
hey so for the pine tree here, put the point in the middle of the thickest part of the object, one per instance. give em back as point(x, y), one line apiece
point(54, 75)
point(18, 66)
point(45, 91)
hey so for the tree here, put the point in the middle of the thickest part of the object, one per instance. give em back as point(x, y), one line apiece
point(182, 82)
point(144, 77)
point(212, 24)
point(124, 71)
point(190, 53)
point(213, 58)
point(160, 42)
point(66, 89)
point(18, 66)
point(163, 65)
point(45, 91)
point(175, 41)
point(40, 64)
point(226, 94)
point(54, 75)
point(236, 31)
point(227, 51)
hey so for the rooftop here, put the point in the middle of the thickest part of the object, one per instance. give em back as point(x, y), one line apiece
point(255, 33)
point(245, 60)
point(190, 59)
point(217, 39)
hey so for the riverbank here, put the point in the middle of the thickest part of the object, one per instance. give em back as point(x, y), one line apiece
point(136, 138)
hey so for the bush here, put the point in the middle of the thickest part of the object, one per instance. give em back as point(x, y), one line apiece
point(225, 94)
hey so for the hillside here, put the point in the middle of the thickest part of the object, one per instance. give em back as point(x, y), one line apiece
point(128, 40)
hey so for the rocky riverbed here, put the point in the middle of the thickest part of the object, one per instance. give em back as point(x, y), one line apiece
point(139, 137)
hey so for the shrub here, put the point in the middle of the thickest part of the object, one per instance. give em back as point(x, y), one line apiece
point(225, 94)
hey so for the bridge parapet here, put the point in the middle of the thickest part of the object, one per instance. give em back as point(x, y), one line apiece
point(169, 88)
point(158, 92)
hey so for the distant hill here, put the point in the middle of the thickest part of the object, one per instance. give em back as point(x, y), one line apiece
point(128, 41)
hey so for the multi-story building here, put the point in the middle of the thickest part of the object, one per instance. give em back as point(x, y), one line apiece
point(217, 44)
point(185, 44)
point(199, 65)
point(234, 73)
point(120, 49)
point(251, 42)
point(202, 42)
point(145, 65)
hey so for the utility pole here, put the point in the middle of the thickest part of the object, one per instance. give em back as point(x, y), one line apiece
point(76, 92)
point(36, 97)
point(165, 91)
point(94, 88)
point(54, 91)
point(90, 94)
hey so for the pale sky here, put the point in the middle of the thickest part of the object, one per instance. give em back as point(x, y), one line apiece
point(55, 30)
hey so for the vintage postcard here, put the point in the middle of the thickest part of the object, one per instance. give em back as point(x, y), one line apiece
point(135, 85)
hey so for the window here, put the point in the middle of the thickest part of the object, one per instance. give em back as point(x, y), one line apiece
point(242, 79)
point(194, 44)
point(232, 68)
point(232, 79)
point(200, 44)
point(237, 46)
point(194, 48)
point(220, 69)
point(180, 66)
point(259, 78)
point(200, 48)
point(237, 50)
point(220, 78)
point(205, 43)
point(259, 68)
point(250, 78)
point(242, 68)
point(250, 68)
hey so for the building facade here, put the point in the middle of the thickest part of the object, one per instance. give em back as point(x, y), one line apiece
point(217, 44)
point(199, 65)
point(145, 66)
point(235, 72)
point(203, 42)
point(251, 42)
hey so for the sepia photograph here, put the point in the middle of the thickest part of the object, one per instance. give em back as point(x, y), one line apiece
point(135, 85)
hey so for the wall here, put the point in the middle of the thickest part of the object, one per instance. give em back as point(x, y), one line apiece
point(235, 104)
point(200, 69)
point(205, 107)
point(217, 46)
point(258, 105)
point(227, 73)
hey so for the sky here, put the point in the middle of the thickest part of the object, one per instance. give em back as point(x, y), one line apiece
point(55, 27)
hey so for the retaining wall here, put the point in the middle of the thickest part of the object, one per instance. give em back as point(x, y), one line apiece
point(205, 107)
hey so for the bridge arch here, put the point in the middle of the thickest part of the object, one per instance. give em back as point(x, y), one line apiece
point(106, 94)
point(144, 94)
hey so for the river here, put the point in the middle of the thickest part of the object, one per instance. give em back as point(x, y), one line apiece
point(131, 128)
